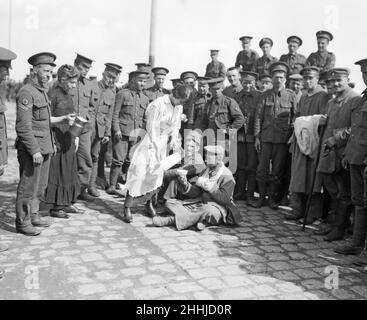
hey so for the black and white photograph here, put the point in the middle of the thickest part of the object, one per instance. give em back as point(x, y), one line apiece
point(204, 151)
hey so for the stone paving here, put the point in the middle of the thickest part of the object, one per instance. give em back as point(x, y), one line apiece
point(97, 256)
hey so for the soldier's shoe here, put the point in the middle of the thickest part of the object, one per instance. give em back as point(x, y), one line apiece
point(335, 234)
point(309, 220)
point(250, 201)
point(3, 247)
point(273, 204)
point(259, 203)
point(361, 260)
point(163, 221)
point(240, 196)
point(28, 231)
point(72, 209)
point(294, 216)
point(349, 249)
point(84, 196)
point(94, 192)
point(111, 190)
point(150, 209)
point(2, 273)
point(284, 201)
point(323, 231)
point(37, 221)
point(126, 215)
point(61, 214)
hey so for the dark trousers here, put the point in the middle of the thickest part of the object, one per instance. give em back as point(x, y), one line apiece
point(358, 185)
point(31, 188)
point(276, 153)
point(299, 203)
point(84, 158)
point(338, 186)
point(121, 150)
point(105, 156)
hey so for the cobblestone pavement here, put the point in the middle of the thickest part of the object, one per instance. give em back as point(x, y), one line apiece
point(97, 256)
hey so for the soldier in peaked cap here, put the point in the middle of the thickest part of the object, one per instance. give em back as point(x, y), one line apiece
point(272, 130)
point(215, 68)
point(101, 134)
point(35, 143)
point(356, 157)
point(322, 58)
point(214, 186)
point(128, 117)
point(312, 102)
point(6, 57)
point(295, 60)
point(296, 84)
point(265, 82)
point(247, 158)
point(336, 177)
point(189, 78)
point(198, 114)
point(262, 64)
point(234, 90)
point(85, 97)
point(176, 82)
point(246, 58)
point(158, 90)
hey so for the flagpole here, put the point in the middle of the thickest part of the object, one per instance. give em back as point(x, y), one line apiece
point(152, 32)
point(10, 25)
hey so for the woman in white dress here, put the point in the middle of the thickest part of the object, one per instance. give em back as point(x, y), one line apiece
point(149, 157)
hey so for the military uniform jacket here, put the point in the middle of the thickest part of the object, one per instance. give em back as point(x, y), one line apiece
point(33, 120)
point(325, 61)
point(3, 135)
point(234, 92)
point(155, 92)
point(198, 117)
point(262, 64)
point(85, 97)
point(246, 59)
point(129, 111)
point(248, 104)
point(356, 149)
point(224, 113)
point(215, 70)
point(104, 110)
point(295, 61)
point(274, 115)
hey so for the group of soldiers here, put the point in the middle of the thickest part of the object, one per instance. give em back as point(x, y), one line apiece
point(261, 105)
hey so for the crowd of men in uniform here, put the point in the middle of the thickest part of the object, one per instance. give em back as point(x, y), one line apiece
point(269, 104)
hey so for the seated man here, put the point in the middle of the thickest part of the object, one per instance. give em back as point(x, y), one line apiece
point(192, 162)
point(210, 198)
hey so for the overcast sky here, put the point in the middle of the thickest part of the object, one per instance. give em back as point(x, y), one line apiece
point(118, 30)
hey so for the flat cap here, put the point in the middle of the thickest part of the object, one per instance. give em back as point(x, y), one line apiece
point(337, 73)
point(295, 77)
point(246, 38)
point(113, 67)
point(216, 83)
point(363, 64)
point(175, 81)
point(279, 66)
point(295, 39)
point(248, 75)
point(324, 34)
point(214, 50)
point(265, 77)
point(217, 150)
point(310, 71)
point(203, 80)
point(265, 40)
point(143, 66)
point(160, 70)
point(188, 74)
point(6, 56)
point(81, 58)
point(42, 58)
point(139, 74)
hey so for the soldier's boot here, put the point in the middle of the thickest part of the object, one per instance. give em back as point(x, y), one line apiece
point(262, 190)
point(3, 247)
point(28, 230)
point(150, 209)
point(92, 182)
point(84, 196)
point(272, 202)
point(361, 260)
point(341, 223)
point(126, 215)
point(241, 185)
point(37, 221)
point(163, 221)
point(2, 273)
point(251, 187)
point(114, 174)
point(359, 234)
point(298, 207)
